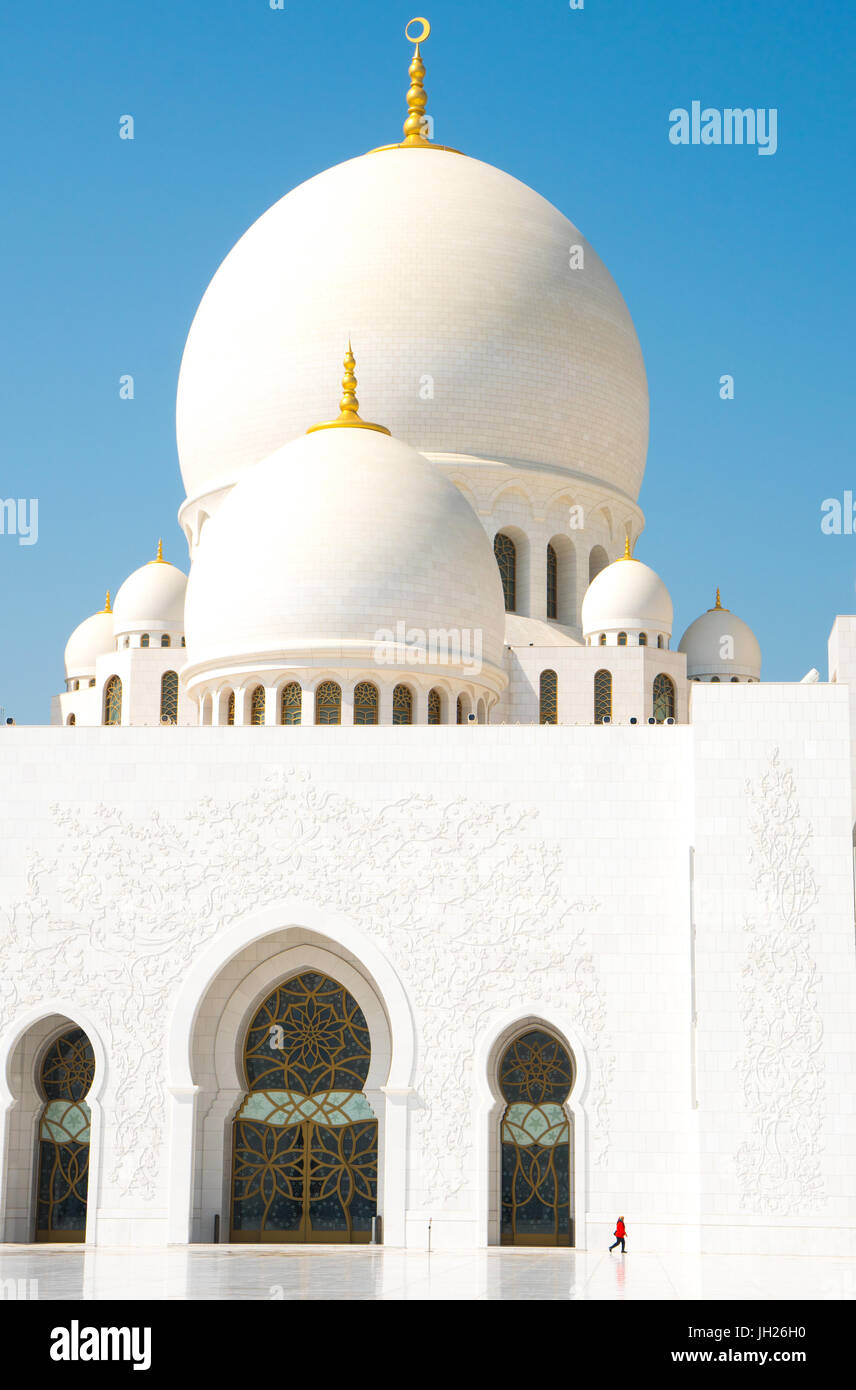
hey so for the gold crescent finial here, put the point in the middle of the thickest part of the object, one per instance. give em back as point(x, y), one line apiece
point(416, 123)
point(107, 608)
point(348, 405)
point(417, 98)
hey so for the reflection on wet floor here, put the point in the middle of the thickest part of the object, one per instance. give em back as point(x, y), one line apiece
point(365, 1272)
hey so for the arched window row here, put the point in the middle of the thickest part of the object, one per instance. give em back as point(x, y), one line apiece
point(327, 700)
point(622, 640)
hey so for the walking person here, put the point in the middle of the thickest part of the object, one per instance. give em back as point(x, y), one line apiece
point(620, 1235)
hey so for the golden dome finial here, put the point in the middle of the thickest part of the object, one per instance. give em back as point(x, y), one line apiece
point(107, 608)
point(718, 605)
point(158, 560)
point(417, 98)
point(348, 405)
point(718, 599)
point(627, 552)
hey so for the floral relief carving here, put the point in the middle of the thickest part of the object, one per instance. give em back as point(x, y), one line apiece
point(781, 1068)
point(463, 897)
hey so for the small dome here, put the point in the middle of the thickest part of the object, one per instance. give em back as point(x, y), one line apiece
point(151, 598)
point(721, 644)
point(627, 596)
point(93, 637)
point(342, 541)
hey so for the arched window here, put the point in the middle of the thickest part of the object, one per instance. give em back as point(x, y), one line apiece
point(169, 696)
point(459, 712)
point(598, 560)
point(257, 706)
point(113, 701)
point(230, 710)
point(506, 557)
point(72, 719)
point(66, 1076)
point(536, 1076)
point(435, 707)
point(552, 583)
point(549, 692)
point(601, 641)
point(144, 640)
point(643, 639)
point(659, 641)
point(290, 704)
point(622, 639)
point(664, 698)
point(166, 640)
point(602, 696)
point(365, 703)
point(402, 705)
point(305, 1139)
point(328, 703)
point(735, 680)
point(183, 643)
point(714, 680)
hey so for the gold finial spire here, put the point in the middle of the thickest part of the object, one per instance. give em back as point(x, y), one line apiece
point(158, 560)
point(417, 97)
point(718, 599)
point(107, 608)
point(628, 555)
point(718, 604)
point(348, 405)
point(415, 137)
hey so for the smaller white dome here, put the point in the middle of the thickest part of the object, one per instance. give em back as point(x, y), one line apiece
point(92, 638)
point(720, 644)
point(152, 598)
point(627, 596)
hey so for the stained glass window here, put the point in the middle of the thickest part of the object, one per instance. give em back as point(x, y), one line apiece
point(622, 639)
point(643, 639)
point(402, 705)
point(305, 1137)
point(165, 640)
point(506, 558)
point(328, 703)
point(664, 698)
point(66, 1076)
point(435, 707)
point(549, 691)
point(552, 582)
point(144, 640)
point(536, 1075)
point(602, 640)
point(113, 701)
point(258, 706)
point(230, 708)
point(365, 703)
point(291, 704)
point(169, 696)
point(602, 696)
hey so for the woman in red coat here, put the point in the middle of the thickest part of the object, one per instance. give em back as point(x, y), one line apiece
point(620, 1235)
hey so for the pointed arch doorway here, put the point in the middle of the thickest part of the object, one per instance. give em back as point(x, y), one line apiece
point(305, 1139)
point(536, 1076)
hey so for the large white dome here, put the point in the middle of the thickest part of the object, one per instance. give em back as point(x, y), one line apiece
point(627, 596)
point(720, 644)
point(331, 549)
point(454, 281)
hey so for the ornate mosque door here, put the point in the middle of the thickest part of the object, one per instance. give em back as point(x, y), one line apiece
point(536, 1075)
point(305, 1142)
point(66, 1076)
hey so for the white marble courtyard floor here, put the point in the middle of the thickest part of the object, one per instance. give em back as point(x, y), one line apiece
point(365, 1272)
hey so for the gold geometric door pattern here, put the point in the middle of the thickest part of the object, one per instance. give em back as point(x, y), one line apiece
point(305, 1140)
point(536, 1075)
point(66, 1076)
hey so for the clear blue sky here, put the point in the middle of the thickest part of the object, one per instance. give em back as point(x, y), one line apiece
point(730, 262)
